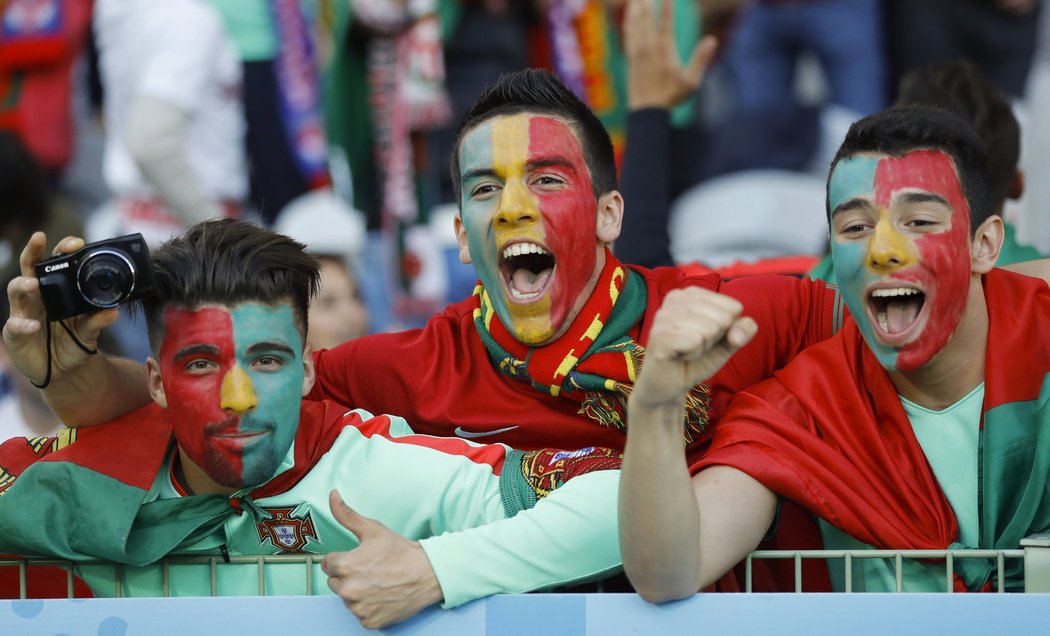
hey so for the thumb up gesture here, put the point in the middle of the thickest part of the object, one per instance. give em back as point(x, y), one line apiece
point(386, 579)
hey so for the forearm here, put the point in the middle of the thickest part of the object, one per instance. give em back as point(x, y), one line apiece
point(103, 388)
point(569, 536)
point(645, 185)
point(659, 517)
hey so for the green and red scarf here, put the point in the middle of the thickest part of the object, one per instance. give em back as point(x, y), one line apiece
point(596, 361)
point(830, 433)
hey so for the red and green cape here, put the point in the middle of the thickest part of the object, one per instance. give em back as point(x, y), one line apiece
point(829, 432)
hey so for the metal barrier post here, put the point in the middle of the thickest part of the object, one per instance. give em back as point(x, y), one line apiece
point(1037, 562)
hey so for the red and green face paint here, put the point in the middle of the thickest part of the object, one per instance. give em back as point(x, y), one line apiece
point(901, 251)
point(529, 212)
point(233, 380)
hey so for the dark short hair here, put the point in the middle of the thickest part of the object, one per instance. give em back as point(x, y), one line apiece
point(960, 87)
point(228, 262)
point(538, 91)
point(902, 129)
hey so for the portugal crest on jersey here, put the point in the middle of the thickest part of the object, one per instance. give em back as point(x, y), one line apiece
point(286, 532)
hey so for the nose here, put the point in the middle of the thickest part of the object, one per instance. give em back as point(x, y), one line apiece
point(516, 205)
point(238, 393)
point(888, 249)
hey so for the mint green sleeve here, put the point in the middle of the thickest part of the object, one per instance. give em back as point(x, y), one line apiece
point(570, 535)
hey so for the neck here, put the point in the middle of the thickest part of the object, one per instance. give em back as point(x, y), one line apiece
point(194, 480)
point(958, 368)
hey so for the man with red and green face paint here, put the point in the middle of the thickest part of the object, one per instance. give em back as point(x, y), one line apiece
point(921, 425)
point(232, 380)
point(900, 230)
point(230, 460)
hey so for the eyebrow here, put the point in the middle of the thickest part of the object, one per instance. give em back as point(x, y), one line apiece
point(532, 165)
point(852, 204)
point(265, 347)
point(196, 349)
point(923, 197)
point(547, 162)
point(477, 172)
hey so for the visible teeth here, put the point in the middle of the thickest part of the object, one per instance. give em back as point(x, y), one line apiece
point(522, 295)
point(523, 248)
point(899, 291)
point(884, 324)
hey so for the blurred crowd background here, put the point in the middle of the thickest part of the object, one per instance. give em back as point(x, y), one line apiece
point(332, 121)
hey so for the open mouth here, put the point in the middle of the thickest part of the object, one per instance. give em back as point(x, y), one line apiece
point(527, 270)
point(896, 310)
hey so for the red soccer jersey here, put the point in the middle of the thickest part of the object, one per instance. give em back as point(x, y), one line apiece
point(441, 380)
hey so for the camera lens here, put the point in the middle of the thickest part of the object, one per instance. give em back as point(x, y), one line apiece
point(105, 278)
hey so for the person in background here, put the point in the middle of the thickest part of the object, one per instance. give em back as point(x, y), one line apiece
point(999, 36)
point(173, 116)
point(338, 314)
point(40, 40)
point(335, 235)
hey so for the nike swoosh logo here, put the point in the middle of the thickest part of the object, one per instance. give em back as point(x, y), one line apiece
point(471, 434)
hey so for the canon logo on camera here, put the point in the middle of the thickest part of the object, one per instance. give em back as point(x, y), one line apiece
point(55, 268)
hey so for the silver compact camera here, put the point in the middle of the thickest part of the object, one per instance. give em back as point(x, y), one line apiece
point(97, 276)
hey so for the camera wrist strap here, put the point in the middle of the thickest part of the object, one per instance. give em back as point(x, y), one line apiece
point(76, 340)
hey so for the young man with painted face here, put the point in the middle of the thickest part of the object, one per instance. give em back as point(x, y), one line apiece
point(229, 460)
point(921, 425)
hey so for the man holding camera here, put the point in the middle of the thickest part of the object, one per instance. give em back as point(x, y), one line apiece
point(229, 460)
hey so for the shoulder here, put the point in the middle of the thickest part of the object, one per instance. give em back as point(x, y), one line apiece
point(392, 435)
point(659, 281)
point(18, 453)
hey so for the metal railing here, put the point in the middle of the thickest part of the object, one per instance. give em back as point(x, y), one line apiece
point(1035, 554)
point(898, 556)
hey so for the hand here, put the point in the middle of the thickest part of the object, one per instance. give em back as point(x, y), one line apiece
point(24, 332)
point(694, 333)
point(386, 579)
point(655, 76)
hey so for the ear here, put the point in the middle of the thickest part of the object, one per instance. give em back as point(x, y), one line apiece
point(610, 216)
point(986, 243)
point(1016, 186)
point(309, 373)
point(461, 238)
point(156, 387)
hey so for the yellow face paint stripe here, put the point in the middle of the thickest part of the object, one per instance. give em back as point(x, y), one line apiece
point(890, 242)
point(510, 145)
point(238, 393)
point(510, 154)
